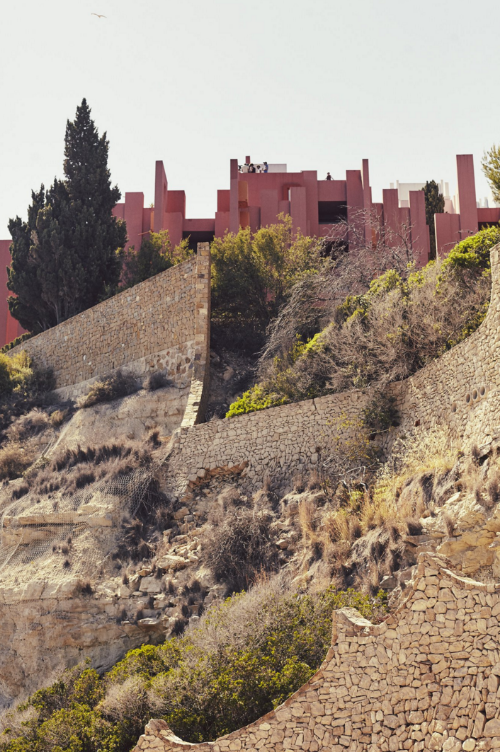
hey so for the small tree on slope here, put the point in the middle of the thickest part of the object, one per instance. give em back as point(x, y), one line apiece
point(69, 252)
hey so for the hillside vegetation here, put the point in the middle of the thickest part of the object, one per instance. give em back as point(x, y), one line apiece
point(247, 655)
point(403, 319)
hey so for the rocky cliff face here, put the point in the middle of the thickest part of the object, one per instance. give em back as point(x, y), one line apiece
point(47, 627)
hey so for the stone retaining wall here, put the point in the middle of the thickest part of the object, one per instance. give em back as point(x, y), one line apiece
point(160, 323)
point(427, 678)
point(460, 390)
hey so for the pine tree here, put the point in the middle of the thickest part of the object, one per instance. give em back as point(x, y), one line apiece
point(434, 204)
point(69, 252)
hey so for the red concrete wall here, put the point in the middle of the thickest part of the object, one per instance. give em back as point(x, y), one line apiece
point(367, 200)
point(466, 195)
point(391, 216)
point(269, 206)
point(354, 199)
point(9, 327)
point(491, 215)
point(332, 190)
point(223, 198)
point(133, 215)
point(447, 232)
point(420, 237)
point(161, 189)
point(298, 209)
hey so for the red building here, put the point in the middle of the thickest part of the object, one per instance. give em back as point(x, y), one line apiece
point(328, 208)
point(255, 199)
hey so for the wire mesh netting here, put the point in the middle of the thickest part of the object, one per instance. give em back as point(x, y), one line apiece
point(81, 526)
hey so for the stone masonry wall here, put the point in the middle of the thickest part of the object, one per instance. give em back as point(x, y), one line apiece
point(160, 323)
point(460, 390)
point(427, 678)
point(279, 441)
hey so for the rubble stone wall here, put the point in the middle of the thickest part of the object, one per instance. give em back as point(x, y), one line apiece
point(427, 678)
point(460, 390)
point(279, 441)
point(160, 323)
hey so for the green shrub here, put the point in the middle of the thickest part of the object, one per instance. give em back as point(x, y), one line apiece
point(16, 372)
point(252, 275)
point(247, 656)
point(16, 341)
point(473, 253)
point(255, 399)
point(155, 255)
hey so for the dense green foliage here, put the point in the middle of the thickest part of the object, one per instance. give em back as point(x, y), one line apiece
point(491, 168)
point(387, 333)
point(16, 373)
point(434, 204)
point(17, 341)
point(68, 252)
point(246, 657)
point(154, 256)
point(252, 275)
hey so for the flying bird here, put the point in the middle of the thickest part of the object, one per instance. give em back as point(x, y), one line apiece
point(98, 15)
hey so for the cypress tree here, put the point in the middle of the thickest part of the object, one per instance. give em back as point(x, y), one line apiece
point(434, 204)
point(69, 252)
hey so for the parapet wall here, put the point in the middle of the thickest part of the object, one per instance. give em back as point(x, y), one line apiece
point(160, 323)
point(460, 390)
point(427, 678)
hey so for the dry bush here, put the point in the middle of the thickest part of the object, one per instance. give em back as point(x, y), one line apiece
point(314, 480)
point(374, 581)
point(58, 417)
point(241, 546)
point(313, 302)
point(74, 469)
point(416, 456)
point(132, 545)
point(449, 525)
point(307, 522)
point(128, 700)
point(18, 724)
point(20, 491)
point(298, 483)
point(31, 424)
point(413, 526)
point(390, 332)
point(14, 460)
point(84, 589)
point(336, 526)
point(115, 386)
point(79, 479)
point(157, 380)
point(493, 487)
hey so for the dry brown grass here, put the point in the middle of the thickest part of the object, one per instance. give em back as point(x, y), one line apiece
point(58, 417)
point(14, 460)
point(31, 424)
point(115, 386)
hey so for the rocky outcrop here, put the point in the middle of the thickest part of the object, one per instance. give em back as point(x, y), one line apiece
point(427, 678)
point(48, 627)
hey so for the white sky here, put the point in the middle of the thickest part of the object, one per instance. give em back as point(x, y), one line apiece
point(318, 85)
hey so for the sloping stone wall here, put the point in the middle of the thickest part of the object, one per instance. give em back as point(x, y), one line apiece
point(425, 679)
point(460, 390)
point(160, 323)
